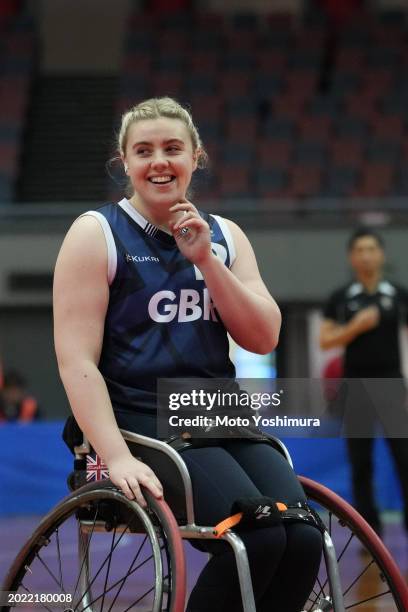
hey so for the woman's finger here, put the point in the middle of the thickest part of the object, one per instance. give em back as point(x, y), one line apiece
point(125, 488)
point(158, 485)
point(149, 483)
point(188, 215)
point(180, 206)
point(135, 488)
point(194, 222)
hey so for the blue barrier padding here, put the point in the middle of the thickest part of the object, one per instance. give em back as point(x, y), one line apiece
point(34, 464)
point(325, 460)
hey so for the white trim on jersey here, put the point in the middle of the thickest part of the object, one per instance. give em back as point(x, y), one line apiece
point(110, 243)
point(228, 237)
point(135, 214)
point(386, 288)
point(151, 230)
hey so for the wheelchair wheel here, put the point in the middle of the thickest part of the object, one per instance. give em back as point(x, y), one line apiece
point(370, 578)
point(97, 550)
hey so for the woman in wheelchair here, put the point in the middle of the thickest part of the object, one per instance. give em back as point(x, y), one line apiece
point(148, 288)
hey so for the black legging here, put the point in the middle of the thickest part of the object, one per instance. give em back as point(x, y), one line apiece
point(284, 561)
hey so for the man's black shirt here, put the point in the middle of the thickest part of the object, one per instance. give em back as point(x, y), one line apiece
point(375, 352)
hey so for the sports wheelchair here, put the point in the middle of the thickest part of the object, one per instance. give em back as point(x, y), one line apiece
point(97, 550)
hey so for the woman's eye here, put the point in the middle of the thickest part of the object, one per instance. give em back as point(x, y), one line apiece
point(143, 151)
point(173, 149)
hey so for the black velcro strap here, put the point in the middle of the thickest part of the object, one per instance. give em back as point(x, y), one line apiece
point(257, 512)
point(303, 513)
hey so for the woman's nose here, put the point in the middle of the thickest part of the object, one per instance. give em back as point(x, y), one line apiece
point(159, 160)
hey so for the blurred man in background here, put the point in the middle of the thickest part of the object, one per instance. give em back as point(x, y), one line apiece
point(365, 318)
point(16, 404)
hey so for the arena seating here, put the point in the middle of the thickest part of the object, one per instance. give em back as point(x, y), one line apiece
point(285, 108)
point(279, 119)
point(17, 56)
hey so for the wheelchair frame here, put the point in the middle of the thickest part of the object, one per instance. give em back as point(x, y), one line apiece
point(191, 530)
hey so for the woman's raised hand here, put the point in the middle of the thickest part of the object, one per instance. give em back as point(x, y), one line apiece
point(191, 232)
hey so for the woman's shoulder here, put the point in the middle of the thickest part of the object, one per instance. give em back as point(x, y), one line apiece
point(85, 237)
point(224, 221)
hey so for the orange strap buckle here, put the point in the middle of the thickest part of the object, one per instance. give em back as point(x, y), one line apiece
point(233, 520)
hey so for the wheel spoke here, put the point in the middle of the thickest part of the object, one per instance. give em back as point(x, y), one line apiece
point(363, 601)
point(358, 577)
point(31, 593)
point(118, 582)
point(105, 561)
point(123, 580)
point(86, 551)
point(55, 579)
point(59, 560)
point(108, 569)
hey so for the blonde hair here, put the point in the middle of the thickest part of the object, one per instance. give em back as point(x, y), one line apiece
point(154, 108)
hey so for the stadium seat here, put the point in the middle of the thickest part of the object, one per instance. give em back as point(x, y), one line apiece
point(341, 181)
point(270, 182)
point(204, 63)
point(241, 130)
point(304, 181)
point(237, 84)
point(232, 153)
point(266, 87)
point(167, 85)
point(376, 180)
point(234, 181)
point(310, 152)
point(388, 127)
point(289, 105)
point(351, 128)
point(316, 128)
point(279, 128)
point(271, 62)
point(346, 151)
point(324, 105)
point(384, 151)
point(272, 153)
point(242, 106)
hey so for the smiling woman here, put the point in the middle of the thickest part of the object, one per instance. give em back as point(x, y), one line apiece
point(147, 288)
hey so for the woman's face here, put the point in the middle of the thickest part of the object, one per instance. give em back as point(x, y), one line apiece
point(160, 159)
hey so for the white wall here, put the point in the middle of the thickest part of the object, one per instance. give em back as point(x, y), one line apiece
point(297, 265)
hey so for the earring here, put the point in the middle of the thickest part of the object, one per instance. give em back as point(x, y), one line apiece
point(126, 169)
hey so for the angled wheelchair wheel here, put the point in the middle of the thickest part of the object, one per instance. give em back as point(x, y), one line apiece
point(97, 550)
point(370, 578)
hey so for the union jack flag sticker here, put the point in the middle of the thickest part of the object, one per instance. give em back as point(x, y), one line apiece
point(96, 469)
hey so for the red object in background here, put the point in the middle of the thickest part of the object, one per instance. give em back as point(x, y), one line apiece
point(332, 375)
point(156, 6)
point(334, 368)
point(8, 8)
point(341, 11)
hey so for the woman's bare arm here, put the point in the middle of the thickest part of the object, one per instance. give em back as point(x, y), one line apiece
point(81, 295)
point(245, 305)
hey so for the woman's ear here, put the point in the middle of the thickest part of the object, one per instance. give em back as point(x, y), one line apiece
point(196, 157)
point(125, 165)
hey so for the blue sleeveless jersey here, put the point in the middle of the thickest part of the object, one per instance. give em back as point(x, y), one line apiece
point(160, 322)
